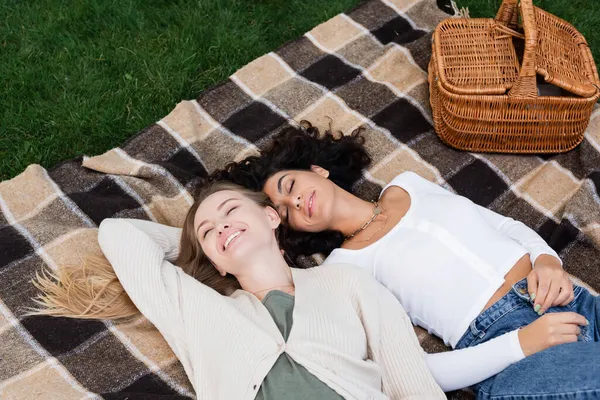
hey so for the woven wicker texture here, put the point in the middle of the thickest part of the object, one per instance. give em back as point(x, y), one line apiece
point(485, 99)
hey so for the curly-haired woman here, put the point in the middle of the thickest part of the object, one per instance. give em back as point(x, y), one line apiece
point(488, 285)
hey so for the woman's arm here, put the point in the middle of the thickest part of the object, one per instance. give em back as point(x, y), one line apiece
point(548, 283)
point(516, 230)
point(137, 251)
point(520, 233)
point(167, 237)
point(393, 345)
point(451, 370)
point(462, 368)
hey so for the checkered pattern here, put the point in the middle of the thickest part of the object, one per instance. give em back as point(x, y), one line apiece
point(366, 67)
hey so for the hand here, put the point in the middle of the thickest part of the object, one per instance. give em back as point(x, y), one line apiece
point(551, 330)
point(548, 284)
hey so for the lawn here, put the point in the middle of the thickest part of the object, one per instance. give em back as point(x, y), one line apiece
point(80, 76)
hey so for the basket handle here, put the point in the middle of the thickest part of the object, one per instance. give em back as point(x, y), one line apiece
point(506, 30)
point(507, 13)
point(526, 85)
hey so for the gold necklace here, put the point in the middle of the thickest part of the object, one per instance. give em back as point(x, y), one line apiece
point(274, 287)
point(374, 233)
point(376, 211)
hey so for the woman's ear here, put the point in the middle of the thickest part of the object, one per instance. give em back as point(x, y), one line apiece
point(274, 217)
point(321, 171)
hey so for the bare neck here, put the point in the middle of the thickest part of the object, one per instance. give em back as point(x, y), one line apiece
point(266, 271)
point(350, 213)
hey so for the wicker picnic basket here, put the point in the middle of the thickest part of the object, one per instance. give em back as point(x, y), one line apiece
point(484, 99)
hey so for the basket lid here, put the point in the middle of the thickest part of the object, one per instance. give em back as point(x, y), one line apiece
point(472, 59)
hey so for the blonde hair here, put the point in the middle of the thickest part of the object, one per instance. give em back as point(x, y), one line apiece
point(92, 290)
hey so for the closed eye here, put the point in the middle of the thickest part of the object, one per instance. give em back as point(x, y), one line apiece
point(291, 186)
point(230, 210)
point(206, 233)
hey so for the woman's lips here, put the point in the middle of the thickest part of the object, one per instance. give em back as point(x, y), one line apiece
point(311, 203)
point(227, 243)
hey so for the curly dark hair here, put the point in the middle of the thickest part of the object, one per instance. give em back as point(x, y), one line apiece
point(344, 156)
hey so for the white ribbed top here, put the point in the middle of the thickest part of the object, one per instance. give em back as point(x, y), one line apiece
point(446, 257)
point(444, 260)
point(348, 331)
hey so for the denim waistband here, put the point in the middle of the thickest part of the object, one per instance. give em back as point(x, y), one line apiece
point(517, 297)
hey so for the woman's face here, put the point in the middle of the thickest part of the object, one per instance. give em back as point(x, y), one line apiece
point(232, 228)
point(303, 199)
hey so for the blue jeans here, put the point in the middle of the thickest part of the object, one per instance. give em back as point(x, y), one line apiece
point(568, 371)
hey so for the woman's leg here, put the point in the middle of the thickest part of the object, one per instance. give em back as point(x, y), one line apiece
point(568, 371)
point(587, 305)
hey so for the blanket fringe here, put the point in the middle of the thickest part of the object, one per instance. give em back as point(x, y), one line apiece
point(462, 12)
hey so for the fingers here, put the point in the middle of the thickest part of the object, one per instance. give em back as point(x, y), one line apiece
point(569, 329)
point(569, 299)
point(563, 297)
point(569, 317)
point(568, 338)
point(549, 287)
point(532, 284)
point(570, 296)
point(550, 330)
point(542, 293)
point(552, 294)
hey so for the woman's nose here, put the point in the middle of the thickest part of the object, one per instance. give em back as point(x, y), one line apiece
point(297, 201)
point(222, 227)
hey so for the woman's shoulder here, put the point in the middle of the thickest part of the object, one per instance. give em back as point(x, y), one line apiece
point(408, 178)
point(339, 272)
point(405, 176)
point(356, 257)
point(414, 182)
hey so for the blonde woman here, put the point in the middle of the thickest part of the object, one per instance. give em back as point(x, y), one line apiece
point(241, 321)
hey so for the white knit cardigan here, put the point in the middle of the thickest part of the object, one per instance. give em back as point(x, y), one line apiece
point(349, 331)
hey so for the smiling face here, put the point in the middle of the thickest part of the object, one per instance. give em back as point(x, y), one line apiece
point(303, 199)
point(232, 229)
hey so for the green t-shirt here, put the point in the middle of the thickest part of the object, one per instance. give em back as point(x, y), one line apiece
point(287, 379)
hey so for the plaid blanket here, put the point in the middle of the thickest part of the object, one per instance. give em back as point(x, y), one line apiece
point(365, 67)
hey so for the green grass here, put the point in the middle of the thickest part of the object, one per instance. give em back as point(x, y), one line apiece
point(583, 14)
point(81, 76)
